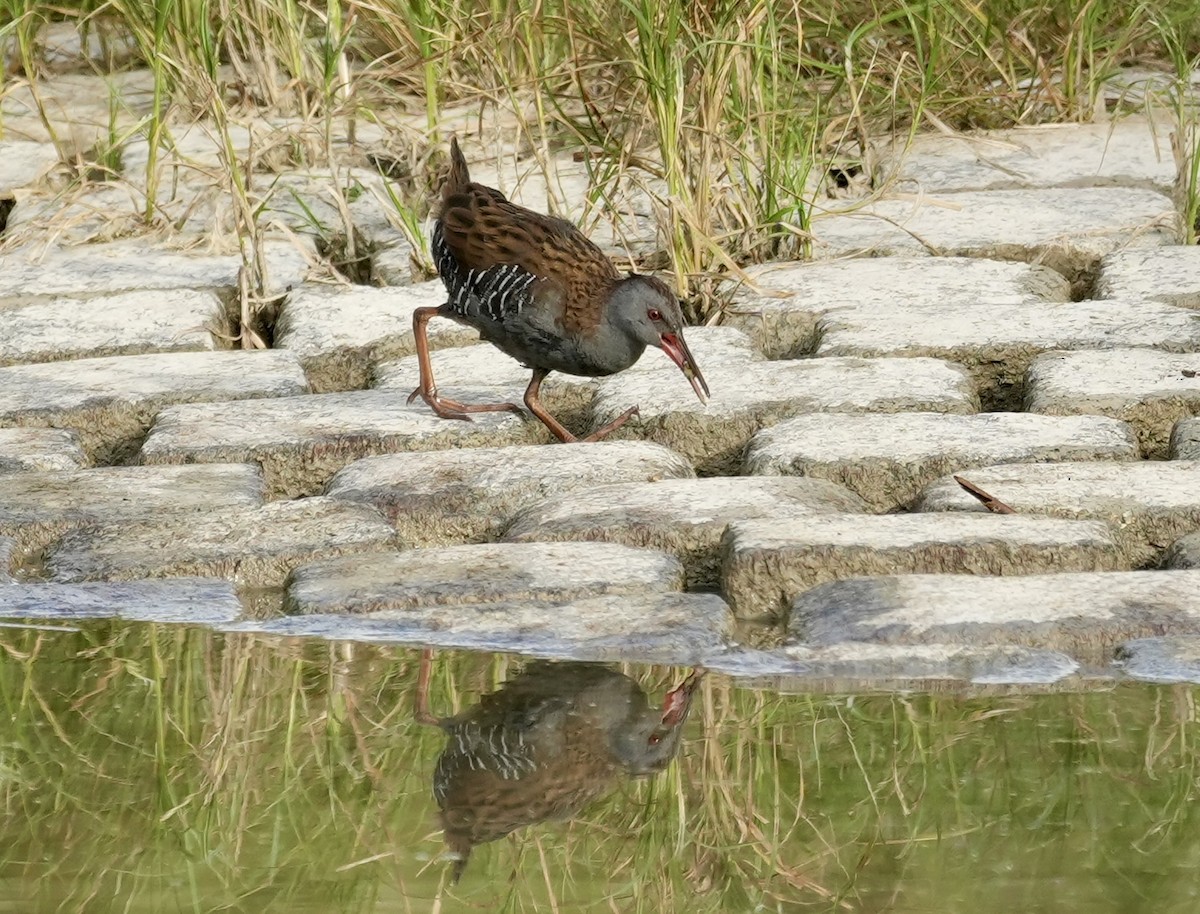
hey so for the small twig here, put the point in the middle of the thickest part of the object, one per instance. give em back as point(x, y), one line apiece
point(993, 504)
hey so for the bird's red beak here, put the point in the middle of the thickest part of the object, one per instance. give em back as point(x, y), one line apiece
point(674, 346)
point(679, 699)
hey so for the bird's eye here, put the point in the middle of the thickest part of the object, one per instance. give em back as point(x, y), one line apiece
point(654, 314)
point(655, 739)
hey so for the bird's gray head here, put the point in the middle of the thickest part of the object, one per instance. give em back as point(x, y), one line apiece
point(647, 311)
point(649, 738)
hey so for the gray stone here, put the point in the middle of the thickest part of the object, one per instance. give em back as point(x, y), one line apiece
point(73, 45)
point(1167, 274)
point(484, 374)
point(767, 563)
point(1130, 152)
point(1185, 440)
point(1150, 390)
point(670, 628)
point(254, 547)
point(110, 402)
point(748, 396)
point(1169, 659)
point(183, 600)
point(39, 449)
point(91, 214)
point(855, 666)
point(195, 146)
point(685, 517)
point(1184, 552)
point(487, 573)
point(73, 108)
point(1084, 614)
point(161, 320)
point(1066, 229)
point(1148, 503)
point(37, 507)
point(339, 333)
point(998, 342)
point(23, 163)
point(782, 307)
point(120, 266)
point(888, 459)
point(394, 264)
point(462, 495)
point(314, 203)
point(302, 441)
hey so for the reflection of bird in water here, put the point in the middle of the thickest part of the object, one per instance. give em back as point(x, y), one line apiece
point(544, 746)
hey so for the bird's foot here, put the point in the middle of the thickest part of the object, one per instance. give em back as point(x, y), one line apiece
point(452, 409)
point(606, 430)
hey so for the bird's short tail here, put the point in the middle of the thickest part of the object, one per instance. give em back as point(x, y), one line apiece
point(459, 177)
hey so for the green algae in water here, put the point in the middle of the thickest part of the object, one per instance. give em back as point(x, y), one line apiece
point(154, 768)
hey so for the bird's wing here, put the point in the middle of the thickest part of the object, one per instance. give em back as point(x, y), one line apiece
point(513, 258)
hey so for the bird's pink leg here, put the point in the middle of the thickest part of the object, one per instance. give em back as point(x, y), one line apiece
point(557, 428)
point(427, 389)
point(421, 703)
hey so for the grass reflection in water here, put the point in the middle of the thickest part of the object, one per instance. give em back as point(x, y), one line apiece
point(154, 768)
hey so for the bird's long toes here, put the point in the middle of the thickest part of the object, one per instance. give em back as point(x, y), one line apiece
point(451, 414)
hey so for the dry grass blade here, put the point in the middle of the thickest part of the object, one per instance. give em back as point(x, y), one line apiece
point(993, 504)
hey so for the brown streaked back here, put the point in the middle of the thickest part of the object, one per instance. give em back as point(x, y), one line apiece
point(482, 229)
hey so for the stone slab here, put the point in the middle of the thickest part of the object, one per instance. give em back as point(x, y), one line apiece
point(470, 495)
point(24, 449)
point(1083, 614)
point(856, 666)
point(888, 459)
point(669, 628)
point(160, 320)
point(998, 342)
point(301, 442)
point(749, 395)
point(1130, 152)
point(73, 45)
point(23, 163)
point(253, 547)
point(1184, 552)
point(487, 573)
point(782, 306)
point(181, 600)
point(108, 212)
point(685, 517)
point(1169, 659)
point(1168, 274)
point(1066, 229)
point(1149, 390)
point(73, 107)
point(37, 507)
point(484, 374)
point(110, 402)
point(339, 333)
point(121, 266)
point(393, 264)
point(1149, 503)
point(1185, 440)
point(768, 563)
point(324, 206)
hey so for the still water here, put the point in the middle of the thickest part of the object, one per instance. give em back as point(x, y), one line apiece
point(150, 768)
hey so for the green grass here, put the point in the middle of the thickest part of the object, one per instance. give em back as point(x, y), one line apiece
point(736, 115)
